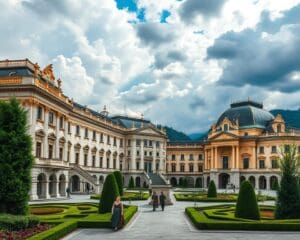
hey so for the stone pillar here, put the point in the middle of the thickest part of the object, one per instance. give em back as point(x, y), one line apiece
point(233, 158)
point(56, 151)
point(104, 160)
point(268, 183)
point(216, 158)
point(253, 159)
point(118, 162)
point(142, 155)
point(66, 146)
point(237, 157)
point(133, 155)
point(45, 140)
point(57, 189)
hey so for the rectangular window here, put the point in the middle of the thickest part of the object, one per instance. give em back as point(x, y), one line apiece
point(101, 137)
point(191, 168)
point(145, 143)
point(108, 140)
point(138, 142)
point(77, 130)
point(107, 163)
point(286, 148)
point(115, 141)
point(274, 149)
point(182, 168)
point(51, 118)
point(93, 160)
point(77, 158)
point(61, 122)
point(182, 157)
point(145, 153)
point(200, 168)
point(261, 164)
point(38, 149)
point(40, 113)
point(68, 156)
point(137, 166)
point(261, 150)
point(191, 157)
point(128, 143)
point(173, 168)
point(274, 163)
point(94, 135)
point(101, 162)
point(121, 142)
point(173, 157)
point(138, 153)
point(128, 153)
point(86, 133)
point(85, 159)
point(157, 154)
point(150, 143)
point(69, 127)
point(157, 144)
point(50, 151)
point(225, 162)
point(200, 157)
point(61, 153)
point(150, 154)
point(246, 163)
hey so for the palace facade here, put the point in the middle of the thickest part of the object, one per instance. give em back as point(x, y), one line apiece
point(76, 147)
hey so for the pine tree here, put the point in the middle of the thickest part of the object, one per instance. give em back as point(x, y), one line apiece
point(131, 183)
point(109, 193)
point(15, 158)
point(119, 179)
point(288, 195)
point(212, 190)
point(246, 206)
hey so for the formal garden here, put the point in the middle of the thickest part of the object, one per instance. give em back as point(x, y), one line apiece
point(246, 214)
point(20, 221)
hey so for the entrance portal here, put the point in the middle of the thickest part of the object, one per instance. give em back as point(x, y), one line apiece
point(148, 167)
point(224, 179)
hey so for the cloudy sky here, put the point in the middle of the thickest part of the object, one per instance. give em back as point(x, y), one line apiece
point(180, 63)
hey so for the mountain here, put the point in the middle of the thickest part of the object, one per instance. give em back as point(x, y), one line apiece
point(197, 136)
point(174, 135)
point(291, 117)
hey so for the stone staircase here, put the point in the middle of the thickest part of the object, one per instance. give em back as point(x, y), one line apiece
point(75, 169)
point(156, 179)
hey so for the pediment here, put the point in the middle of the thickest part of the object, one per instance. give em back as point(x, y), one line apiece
point(224, 136)
point(149, 131)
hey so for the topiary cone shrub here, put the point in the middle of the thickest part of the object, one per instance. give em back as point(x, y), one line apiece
point(212, 190)
point(119, 179)
point(246, 206)
point(131, 183)
point(109, 193)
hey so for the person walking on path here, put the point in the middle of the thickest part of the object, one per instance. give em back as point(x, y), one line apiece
point(117, 218)
point(154, 201)
point(68, 192)
point(162, 199)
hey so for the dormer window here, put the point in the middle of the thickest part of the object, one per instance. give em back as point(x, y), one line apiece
point(279, 128)
point(225, 127)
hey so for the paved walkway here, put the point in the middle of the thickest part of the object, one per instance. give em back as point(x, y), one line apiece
point(170, 224)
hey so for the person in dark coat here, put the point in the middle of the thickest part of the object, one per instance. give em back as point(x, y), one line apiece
point(68, 192)
point(162, 199)
point(117, 218)
point(154, 201)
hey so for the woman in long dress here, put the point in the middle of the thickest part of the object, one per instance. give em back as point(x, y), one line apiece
point(117, 214)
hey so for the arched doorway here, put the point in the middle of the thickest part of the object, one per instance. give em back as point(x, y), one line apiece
point(262, 182)
point(41, 186)
point(101, 179)
point(224, 179)
point(199, 183)
point(190, 182)
point(62, 185)
point(273, 183)
point(138, 182)
point(52, 185)
point(181, 182)
point(173, 181)
point(75, 183)
point(252, 181)
point(242, 179)
point(207, 181)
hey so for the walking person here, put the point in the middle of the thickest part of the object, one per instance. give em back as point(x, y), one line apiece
point(68, 192)
point(117, 218)
point(154, 201)
point(162, 199)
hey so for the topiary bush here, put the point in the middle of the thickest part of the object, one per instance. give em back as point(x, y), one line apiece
point(275, 185)
point(119, 179)
point(109, 193)
point(17, 222)
point(131, 183)
point(288, 196)
point(212, 190)
point(246, 206)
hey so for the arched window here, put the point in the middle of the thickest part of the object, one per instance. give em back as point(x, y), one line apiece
point(225, 127)
point(279, 128)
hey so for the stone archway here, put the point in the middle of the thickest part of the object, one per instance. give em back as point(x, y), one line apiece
point(41, 186)
point(262, 182)
point(207, 181)
point(173, 181)
point(138, 182)
point(62, 185)
point(252, 181)
point(199, 183)
point(75, 183)
point(224, 179)
point(52, 185)
point(242, 179)
point(273, 182)
point(190, 181)
point(101, 179)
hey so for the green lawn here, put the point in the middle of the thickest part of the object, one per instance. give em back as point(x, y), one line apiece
point(67, 217)
point(132, 196)
point(221, 197)
point(222, 218)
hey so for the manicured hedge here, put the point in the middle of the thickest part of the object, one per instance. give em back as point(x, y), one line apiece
point(17, 222)
point(132, 196)
point(212, 190)
point(202, 219)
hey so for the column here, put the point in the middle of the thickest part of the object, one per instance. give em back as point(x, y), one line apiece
point(253, 159)
point(118, 161)
point(57, 137)
point(237, 157)
point(45, 141)
point(142, 155)
point(205, 159)
point(212, 158)
point(233, 158)
point(216, 158)
point(133, 154)
point(66, 146)
point(104, 160)
point(57, 189)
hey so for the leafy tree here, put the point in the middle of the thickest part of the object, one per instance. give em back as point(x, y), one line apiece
point(246, 206)
point(212, 190)
point(131, 183)
point(15, 158)
point(119, 179)
point(109, 193)
point(288, 195)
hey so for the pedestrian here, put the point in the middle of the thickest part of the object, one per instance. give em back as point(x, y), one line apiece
point(162, 199)
point(154, 201)
point(68, 192)
point(233, 188)
point(117, 218)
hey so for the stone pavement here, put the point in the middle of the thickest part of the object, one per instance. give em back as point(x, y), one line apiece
point(170, 224)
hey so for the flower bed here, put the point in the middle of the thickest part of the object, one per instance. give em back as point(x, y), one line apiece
point(222, 197)
point(222, 218)
point(24, 233)
point(128, 196)
point(45, 211)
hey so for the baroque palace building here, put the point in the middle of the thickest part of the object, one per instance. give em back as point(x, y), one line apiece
point(76, 147)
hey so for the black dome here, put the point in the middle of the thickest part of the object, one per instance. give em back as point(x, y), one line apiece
point(248, 113)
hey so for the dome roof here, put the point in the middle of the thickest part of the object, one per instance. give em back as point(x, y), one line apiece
point(248, 113)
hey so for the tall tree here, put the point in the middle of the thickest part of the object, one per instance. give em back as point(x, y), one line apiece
point(109, 193)
point(212, 190)
point(15, 158)
point(288, 195)
point(119, 179)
